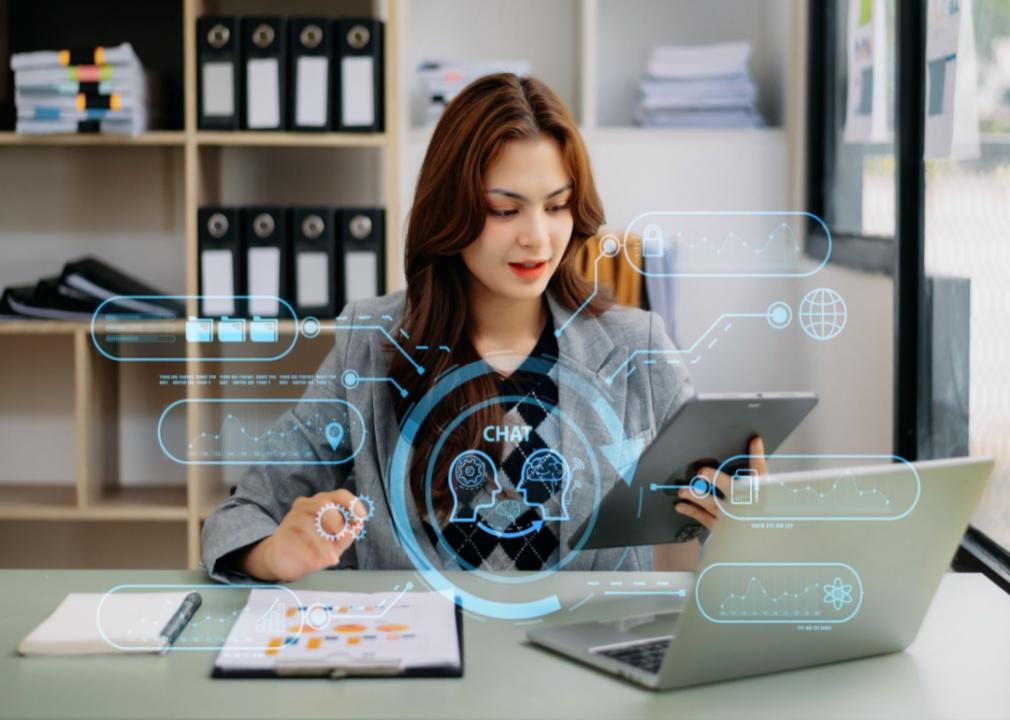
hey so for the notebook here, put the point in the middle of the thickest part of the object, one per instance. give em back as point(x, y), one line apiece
point(85, 624)
point(329, 634)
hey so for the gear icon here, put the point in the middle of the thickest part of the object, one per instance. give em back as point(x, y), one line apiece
point(319, 522)
point(352, 523)
point(470, 472)
point(370, 507)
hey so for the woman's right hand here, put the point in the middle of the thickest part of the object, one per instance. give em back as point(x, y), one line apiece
point(296, 548)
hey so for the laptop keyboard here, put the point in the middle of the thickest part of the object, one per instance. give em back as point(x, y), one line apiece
point(647, 655)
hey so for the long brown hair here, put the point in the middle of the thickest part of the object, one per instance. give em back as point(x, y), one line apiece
point(448, 214)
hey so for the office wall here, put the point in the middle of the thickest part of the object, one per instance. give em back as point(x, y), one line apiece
point(854, 373)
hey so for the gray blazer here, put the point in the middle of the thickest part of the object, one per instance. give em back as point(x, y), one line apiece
point(594, 346)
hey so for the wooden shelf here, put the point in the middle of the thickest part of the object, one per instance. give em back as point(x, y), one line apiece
point(69, 327)
point(41, 327)
point(37, 502)
point(59, 502)
point(166, 138)
point(242, 138)
point(140, 503)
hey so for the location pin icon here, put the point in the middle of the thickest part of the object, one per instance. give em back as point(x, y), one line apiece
point(334, 434)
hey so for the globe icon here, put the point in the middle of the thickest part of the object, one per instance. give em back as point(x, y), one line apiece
point(823, 314)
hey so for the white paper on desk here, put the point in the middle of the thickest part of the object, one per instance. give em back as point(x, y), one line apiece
point(85, 624)
point(417, 629)
point(951, 82)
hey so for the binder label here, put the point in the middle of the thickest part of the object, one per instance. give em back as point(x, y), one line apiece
point(218, 285)
point(311, 96)
point(218, 89)
point(263, 92)
point(356, 91)
point(264, 276)
point(361, 275)
point(312, 269)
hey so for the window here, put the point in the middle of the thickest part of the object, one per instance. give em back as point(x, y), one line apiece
point(967, 241)
point(941, 227)
point(852, 179)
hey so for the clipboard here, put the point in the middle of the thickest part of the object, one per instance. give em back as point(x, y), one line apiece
point(355, 669)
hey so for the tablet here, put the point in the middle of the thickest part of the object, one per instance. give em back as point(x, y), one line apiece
point(705, 430)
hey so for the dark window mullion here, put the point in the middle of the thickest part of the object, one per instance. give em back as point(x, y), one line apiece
point(910, 394)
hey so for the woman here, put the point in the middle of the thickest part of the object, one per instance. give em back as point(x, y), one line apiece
point(504, 201)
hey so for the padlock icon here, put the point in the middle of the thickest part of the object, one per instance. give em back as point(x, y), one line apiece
point(652, 241)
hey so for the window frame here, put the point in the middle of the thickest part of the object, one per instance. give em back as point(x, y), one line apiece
point(902, 256)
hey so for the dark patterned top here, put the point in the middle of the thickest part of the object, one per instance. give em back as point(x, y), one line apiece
point(516, 528)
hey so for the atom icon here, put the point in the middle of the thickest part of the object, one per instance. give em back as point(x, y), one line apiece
point(837, 594)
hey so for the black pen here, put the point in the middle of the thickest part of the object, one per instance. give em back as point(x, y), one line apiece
point(182, 616)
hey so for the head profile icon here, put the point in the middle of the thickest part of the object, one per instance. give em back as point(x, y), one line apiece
point(469, 474)
point(545, 475)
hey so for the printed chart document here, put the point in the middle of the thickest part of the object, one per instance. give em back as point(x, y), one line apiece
point(329, 634)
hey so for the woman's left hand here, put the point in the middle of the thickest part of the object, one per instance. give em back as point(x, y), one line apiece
point(705, 509)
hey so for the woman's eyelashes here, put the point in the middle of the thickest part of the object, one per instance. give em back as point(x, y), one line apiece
point(553, 209)
point(502, 213)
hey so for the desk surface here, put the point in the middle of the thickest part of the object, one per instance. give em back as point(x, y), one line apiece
point(959, 666)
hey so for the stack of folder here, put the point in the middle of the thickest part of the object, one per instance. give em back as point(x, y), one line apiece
point(77, 292)
point(442, 80)
point(300, 73)
point(699, 86)
point(316, 259)
point(100, 90)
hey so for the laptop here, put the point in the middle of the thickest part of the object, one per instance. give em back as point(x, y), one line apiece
point(817, 567)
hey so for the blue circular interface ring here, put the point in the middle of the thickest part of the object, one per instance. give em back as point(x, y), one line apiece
point(399, 481)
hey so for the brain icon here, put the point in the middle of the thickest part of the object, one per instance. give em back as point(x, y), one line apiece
point(470, 472)
point(546, 467)
point(509, 510)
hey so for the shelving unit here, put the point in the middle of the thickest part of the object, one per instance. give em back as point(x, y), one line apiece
point(168, 138)
point(76, 430)
point(91, 421)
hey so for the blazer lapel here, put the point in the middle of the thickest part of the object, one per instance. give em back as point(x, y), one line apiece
point(587, 355)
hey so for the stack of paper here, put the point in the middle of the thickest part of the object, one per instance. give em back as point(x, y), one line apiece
point(101, 90)
point(441, 81)
point(95, 623)
point(699, 86)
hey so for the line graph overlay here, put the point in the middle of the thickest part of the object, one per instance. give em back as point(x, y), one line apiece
point(273, 431)
point(779, 593)
point(823, 487)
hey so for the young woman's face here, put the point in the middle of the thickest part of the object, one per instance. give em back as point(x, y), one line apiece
point(528, 223)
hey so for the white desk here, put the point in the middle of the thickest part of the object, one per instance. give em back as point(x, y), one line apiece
point(959, 667)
